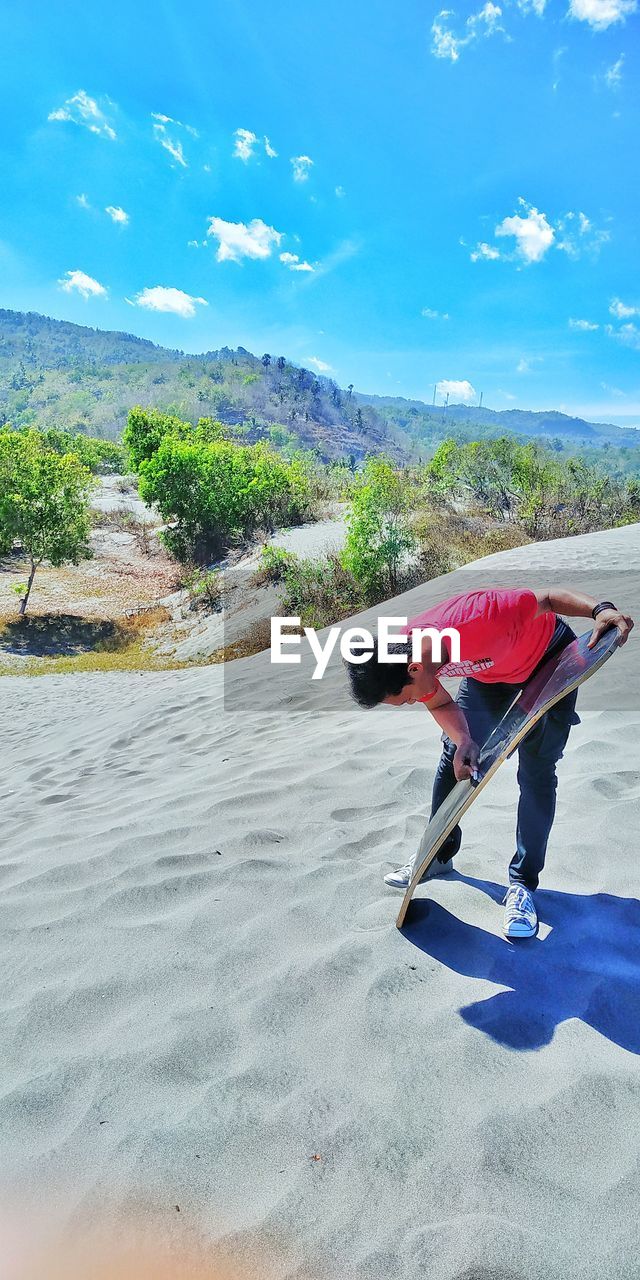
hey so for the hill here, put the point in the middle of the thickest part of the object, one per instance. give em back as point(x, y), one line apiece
point(53, 373)
point(549, 423)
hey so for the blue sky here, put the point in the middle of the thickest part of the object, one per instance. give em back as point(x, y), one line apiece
point(453, 200)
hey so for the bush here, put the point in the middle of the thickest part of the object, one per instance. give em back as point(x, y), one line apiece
point(211, 493)
point(549, 496)
point(205, 589)
point(447, 540)
point(380, 540)
point(320, 592)
point(273, 566)
point(98, 456)
point(44, 503)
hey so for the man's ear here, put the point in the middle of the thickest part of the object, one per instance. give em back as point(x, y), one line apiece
point(415, 669)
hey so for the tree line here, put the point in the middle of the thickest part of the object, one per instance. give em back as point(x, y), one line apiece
point(405, 525)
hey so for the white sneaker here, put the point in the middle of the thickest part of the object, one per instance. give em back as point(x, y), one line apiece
point(401, 879)
point(520, 919)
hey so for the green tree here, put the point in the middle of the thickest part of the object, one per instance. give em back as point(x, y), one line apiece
point(44, 503)
point(379, 536)
point(209, 492)
point(145, 430)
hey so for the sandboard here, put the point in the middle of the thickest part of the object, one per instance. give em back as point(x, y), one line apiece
point(555, 679)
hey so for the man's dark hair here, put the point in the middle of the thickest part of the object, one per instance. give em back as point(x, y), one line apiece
point(373, 680)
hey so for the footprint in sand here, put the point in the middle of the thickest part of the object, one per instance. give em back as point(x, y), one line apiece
point(621, 785)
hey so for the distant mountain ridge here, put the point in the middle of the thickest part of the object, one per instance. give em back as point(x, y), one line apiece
point(56, 373)
point(532, 422)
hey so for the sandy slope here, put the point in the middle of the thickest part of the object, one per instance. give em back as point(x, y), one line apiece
point(203, 988)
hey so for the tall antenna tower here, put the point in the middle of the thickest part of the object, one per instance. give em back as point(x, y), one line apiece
point(435, 387)
point(481, 395)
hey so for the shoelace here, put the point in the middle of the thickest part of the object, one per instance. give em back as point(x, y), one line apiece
point(518, 904)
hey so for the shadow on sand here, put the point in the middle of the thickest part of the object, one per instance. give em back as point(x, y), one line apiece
point(587, 967)
point(60, 634)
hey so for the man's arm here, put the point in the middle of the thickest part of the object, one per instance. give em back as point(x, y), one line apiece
point(575, 605)
point(452, 720)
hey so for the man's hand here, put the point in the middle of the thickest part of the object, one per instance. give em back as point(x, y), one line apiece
point(465, 761)
point(611, 618)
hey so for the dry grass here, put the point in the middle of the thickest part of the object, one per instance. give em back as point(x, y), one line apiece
point(449, 539)
point(59, 644)
point(255, 640)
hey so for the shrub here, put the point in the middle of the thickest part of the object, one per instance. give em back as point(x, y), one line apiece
point(320, 592)
point(208, 493)
point(273, 566)
point(205, 589)
point(380, 540)
point(44, 503)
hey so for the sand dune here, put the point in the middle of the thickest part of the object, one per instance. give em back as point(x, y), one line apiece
point(205, 1002)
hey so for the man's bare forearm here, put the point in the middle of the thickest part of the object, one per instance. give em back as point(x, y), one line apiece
point(573, 604)
point(452, 721)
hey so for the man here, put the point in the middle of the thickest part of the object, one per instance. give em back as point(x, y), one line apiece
point(505, 635)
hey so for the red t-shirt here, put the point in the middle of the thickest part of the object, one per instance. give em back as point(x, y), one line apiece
point(501, 639)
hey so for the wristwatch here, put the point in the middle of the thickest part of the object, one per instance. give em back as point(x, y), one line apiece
point(600, 608)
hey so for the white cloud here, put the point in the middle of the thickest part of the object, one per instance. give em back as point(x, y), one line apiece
point(292, 261)
point(172, 300)
point(117, 214)
point(83, 201)
point(238, 240)
point(533, 6)
point(577, 235)
point(484, 252)
point(446, 44)
point(613, 74)
point(429, 314)
point(458, 392)
point(162, 119)
point(558, 55)
point(172, 145)
point(81, 109)
point(79, 282)
point(627, 334)
point(168, 140)
point(488, 17)
point(244, 144)
point(583, 326)
point(533, 233)
point(341, 193)
point(301, 167)
point(526, 363)
point(621, 310)
point(320, 365)
point(601, 14)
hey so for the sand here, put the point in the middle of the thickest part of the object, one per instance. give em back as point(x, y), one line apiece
point(206, 1003)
